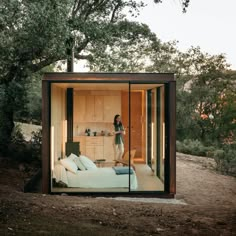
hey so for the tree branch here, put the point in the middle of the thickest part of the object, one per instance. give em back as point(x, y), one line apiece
point(82, 45)
point(43, 63)
point(94, 7)
point(76, 8)
point(184, 3)
point(114, 12)
point(88, 57)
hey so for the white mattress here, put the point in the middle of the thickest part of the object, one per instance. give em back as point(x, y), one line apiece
point(96, 178)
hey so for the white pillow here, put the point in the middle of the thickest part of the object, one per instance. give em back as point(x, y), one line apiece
point(72, 156)
point(89, 165)
point(69, 165)
point(79, 163)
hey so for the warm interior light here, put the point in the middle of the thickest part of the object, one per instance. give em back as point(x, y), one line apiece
point(152, 145)
point(52, 147)
point(163, 140)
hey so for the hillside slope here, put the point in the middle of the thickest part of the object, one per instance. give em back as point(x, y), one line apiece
point(210, 208)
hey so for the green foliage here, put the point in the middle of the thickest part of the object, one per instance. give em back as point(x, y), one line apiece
point(36, 144)
point(35, 34)
point(193, 147)
point(18, 148)
point(6, 118)
point(23, 151)
point(184, 4)
point(31, 33)
point(140, 51)
point(33, 103)
point(186, 126)
point(226, 160)
point(17, 135)
point(207, 92)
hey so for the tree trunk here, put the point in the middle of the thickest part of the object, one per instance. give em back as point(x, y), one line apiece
point(69, 92)
point(6, 118)
point(70, 54)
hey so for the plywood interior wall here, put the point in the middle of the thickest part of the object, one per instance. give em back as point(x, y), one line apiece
point(162, 133)
point(58, 123)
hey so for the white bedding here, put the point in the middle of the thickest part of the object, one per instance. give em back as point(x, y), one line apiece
point(95, 178)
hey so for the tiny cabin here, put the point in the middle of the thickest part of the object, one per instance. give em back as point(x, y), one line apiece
point(78, 142)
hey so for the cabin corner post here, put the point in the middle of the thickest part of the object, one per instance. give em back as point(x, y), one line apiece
point(45, 136)
point(172, 137)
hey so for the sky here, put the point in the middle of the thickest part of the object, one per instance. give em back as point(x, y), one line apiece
point(209, 24)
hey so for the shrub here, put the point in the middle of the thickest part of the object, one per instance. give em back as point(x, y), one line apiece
point(225, 157)
point(179, 146)
point(18, 149)
point(226, 161)
point(36, 144)
point(210, 151)
point(17, 136)
point(193, 147)
point(27, 152)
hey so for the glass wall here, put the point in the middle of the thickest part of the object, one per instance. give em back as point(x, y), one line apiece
point(147, 135)
point(101, 157)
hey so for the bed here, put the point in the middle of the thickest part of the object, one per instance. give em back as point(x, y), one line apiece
point(93, 177)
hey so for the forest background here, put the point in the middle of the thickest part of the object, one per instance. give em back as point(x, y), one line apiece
point(42, 36)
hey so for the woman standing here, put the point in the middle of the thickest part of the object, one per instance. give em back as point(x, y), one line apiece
point(119, 140)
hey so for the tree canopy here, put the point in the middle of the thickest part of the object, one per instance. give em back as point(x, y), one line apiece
point(184, 3)
point(37, 33)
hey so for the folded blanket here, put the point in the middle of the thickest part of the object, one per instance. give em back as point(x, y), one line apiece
point(123, 170)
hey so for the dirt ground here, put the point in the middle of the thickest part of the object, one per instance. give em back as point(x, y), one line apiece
point(210, 207)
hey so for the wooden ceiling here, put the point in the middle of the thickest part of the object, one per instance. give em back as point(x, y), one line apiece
point(106, 86)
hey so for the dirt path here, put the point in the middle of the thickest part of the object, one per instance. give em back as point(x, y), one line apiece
point(210, 209)
point(199, 184)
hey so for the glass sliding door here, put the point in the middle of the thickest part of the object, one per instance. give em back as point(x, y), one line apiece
point(147, 128)
point(93, 139)
point(86, 161)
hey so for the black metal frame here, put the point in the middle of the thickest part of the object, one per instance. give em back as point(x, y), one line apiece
point(131, 78)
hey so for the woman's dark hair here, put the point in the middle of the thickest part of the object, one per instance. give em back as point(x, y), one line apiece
point(114, 123)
